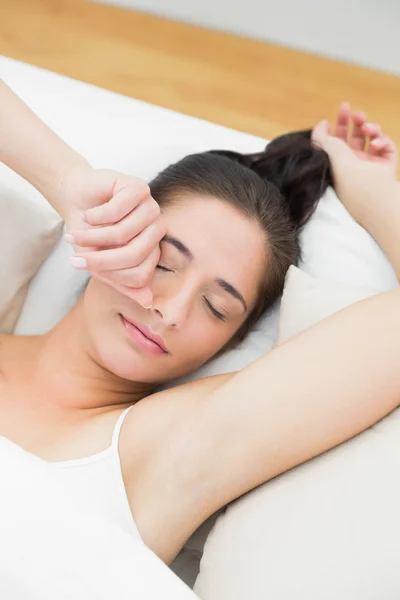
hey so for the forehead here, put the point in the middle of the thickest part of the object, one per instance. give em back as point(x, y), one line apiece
point(224, 241)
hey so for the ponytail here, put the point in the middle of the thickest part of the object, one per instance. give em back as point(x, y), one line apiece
point(296, 167)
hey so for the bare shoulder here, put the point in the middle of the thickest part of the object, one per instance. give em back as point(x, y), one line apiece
point(152, 449)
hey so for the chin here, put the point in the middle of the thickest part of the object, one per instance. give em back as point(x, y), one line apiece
point(129, 365)
point(133, 366)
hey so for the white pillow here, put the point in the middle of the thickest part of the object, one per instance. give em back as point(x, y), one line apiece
point(53, 291)
point(336, 248)
point(29, 230)
point(327, 529)
point(307, 300)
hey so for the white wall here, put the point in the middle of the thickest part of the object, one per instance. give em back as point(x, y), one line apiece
point(366, 32)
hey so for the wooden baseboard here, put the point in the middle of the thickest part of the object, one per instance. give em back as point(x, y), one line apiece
point(248, 85)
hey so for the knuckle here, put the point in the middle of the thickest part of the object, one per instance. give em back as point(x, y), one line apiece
point(156, 256)
point(160, 230)
point(151, 210)
point(107, 213)
point(97, 263)
point(155, 208)
point(119, 237)
point(142, 188)
point(148, 271)
point(140, 278)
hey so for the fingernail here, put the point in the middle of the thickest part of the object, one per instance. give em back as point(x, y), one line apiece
point(78, 262)
point(147, 307)
point(368, 125)
point(68, 237)
point(376, 142)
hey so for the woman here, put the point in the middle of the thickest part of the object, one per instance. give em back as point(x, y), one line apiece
point(188, 451)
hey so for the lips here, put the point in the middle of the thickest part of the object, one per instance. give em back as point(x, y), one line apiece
point(146, 331)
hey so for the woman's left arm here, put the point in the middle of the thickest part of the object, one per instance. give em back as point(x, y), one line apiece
point(308, 395)
point(314, 392)
point(334, 380)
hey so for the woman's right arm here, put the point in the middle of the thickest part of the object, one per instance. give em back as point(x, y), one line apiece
point(33, 150)
point(86, 198)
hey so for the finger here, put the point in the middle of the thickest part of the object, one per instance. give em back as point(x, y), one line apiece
point(357, 138)
point(343, 121)
point(320, 132)
point(120, 233)
point(371, 130)
point(384, 148)
point(124, 257)
point(143, 296)
point(336, 148)
point(119, 206)
point(136, 277)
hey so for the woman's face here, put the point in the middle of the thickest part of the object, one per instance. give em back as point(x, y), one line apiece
point(204, 288)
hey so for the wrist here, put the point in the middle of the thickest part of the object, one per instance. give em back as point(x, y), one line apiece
point(382, 209)
point(57, 190)
point(383, 223)
point(31, 149)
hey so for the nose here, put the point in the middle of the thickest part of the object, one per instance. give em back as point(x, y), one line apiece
point(173, 306)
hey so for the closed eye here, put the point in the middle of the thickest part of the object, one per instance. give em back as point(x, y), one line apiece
point(162, 268)
point(214, 311)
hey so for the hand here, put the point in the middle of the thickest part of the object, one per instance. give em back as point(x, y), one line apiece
point(115, 228)
point(363, 161)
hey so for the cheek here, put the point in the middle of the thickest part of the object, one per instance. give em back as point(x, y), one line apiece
point(111, 349)
point(105, 333)
point(98, 296)
point(203, 339)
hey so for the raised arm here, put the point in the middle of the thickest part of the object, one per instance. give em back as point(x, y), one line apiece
point(86, 198)
point(33, 150)
point(327, 384)
point(310, 394)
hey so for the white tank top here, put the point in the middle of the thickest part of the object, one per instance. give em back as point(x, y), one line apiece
point(66, 531)
point(95, 482)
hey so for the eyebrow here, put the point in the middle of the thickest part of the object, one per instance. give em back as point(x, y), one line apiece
point(179, 246)
point(184, 250)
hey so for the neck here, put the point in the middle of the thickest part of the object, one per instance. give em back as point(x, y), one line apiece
point(63, 363)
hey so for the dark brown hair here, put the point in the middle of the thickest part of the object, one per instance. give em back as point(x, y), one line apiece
point(279, 188)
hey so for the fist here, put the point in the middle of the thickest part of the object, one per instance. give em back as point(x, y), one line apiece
point(115, 228)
